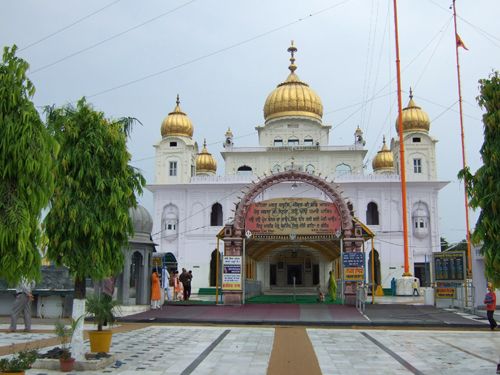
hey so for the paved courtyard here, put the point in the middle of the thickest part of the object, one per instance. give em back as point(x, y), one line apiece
point(170, 349)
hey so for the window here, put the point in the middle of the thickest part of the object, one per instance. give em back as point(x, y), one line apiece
point(308, 142)
point(293, 142)
point(372, 214)
point(173, 144)
point(172, 170)
point(244, 170)
point(278, 142)
point(342, 169)
point(417, 165)
point(276, 168)
point(416, 140)
point(216, 215)
point(310, 168)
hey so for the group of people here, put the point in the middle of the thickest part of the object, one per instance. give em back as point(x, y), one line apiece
point(177, 287)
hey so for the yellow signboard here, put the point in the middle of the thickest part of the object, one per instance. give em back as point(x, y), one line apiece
point(446, 293)
point(354, 274)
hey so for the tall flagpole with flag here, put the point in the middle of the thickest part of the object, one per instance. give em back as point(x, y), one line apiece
point(401, 148)
point(460, 44)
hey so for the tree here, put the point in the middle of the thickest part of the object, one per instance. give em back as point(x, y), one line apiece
point(483, 187)
point(27, 153)
point(88, 223)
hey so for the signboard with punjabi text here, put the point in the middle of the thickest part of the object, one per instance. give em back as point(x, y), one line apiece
point(231, 276)
point(354, 266)
point(298, 216)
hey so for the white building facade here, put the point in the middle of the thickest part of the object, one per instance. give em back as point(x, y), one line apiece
point(192, 202)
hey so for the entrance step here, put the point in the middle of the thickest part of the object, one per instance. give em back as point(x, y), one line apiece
point(284, 291)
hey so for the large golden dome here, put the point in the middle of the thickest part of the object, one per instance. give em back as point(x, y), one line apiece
point(205, 162)
point(414, 118)
point(384, 160)
point(177, 123)
point(293, 97)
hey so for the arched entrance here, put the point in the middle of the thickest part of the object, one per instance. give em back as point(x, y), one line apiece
point(283, 237)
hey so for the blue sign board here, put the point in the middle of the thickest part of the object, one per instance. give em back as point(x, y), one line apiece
point(356, 260)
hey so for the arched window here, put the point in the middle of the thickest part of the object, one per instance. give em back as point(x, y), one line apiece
point(170, 219)
point(342, 169)
point(308, 141)
point(276, 168)
point(420, 218)
point(278, 142)
point(376, 263)
point(293, 141)
point(213, 267)
point(372, 214)
point(310, 168)
point(244, 169)
point(216, 215)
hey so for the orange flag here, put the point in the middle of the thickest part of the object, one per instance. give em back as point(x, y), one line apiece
point(460, 42)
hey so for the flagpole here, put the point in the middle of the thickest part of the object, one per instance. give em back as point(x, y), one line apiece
point(464, 163)
point(401, 148)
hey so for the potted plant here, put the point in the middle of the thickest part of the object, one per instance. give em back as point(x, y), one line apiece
point(65, 334)
point(18, 363)
point(101, 307)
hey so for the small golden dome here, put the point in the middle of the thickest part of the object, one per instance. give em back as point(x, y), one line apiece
point(293, 97)
point(414, 118)
point(205, 162)
point(229, 133)
point(384, 160)
point(177, 123)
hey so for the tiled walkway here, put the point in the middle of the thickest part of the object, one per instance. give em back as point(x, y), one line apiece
point(203, 350)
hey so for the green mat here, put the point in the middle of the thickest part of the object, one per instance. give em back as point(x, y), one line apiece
point(290, 299)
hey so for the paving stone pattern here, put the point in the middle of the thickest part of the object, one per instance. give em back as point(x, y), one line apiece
point(165, 350)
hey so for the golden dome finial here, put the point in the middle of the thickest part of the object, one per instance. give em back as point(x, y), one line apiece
point(293, 97)
point(205, 162)
point(292, 49)
point(414, 118)
point(383, 162)
point(177, 123)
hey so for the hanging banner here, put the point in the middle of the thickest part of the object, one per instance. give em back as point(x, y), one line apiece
point(293, 216)
point(231, 276)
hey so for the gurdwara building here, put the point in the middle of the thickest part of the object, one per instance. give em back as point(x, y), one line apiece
point(193, 203)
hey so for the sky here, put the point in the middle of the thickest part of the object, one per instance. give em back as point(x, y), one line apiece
point(223, 57)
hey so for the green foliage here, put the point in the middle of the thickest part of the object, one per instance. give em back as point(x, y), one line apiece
point(26, 163)
point(483, 187)
point(101, 307)
point(65, 334)
point(19, 362)
point(89, 224)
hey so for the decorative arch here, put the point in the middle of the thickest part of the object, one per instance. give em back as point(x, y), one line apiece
point(291, 176)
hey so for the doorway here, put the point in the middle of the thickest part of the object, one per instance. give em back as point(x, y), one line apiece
point(294, 271)
point(272, 274)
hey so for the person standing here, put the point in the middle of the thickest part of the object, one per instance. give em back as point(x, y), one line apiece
point(183, 278)
point(155, 291)
point(187, 285)
point(332, 287)
point(166, 283)
point(415, 287)
point(22, 303)
point(490, 300)
point(177, 286)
